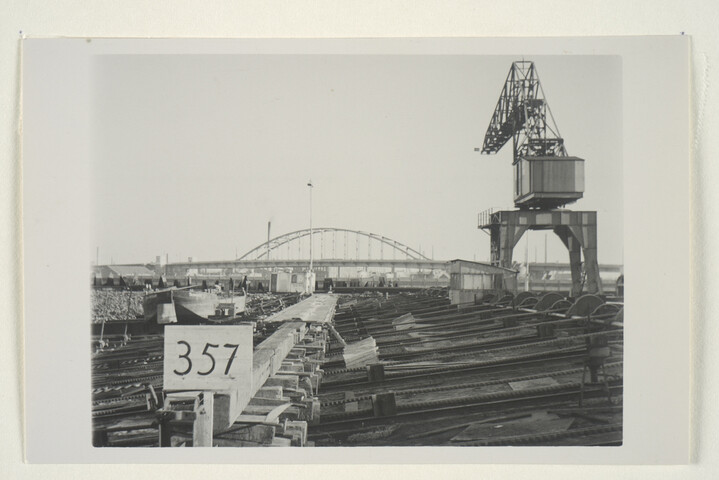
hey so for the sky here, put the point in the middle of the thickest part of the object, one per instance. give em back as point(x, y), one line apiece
point(192, 155)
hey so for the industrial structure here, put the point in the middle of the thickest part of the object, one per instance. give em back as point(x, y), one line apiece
point(545, 179)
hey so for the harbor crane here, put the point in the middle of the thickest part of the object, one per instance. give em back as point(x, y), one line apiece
point(546, 178)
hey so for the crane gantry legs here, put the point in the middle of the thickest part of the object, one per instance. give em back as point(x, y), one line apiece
point(577, 230)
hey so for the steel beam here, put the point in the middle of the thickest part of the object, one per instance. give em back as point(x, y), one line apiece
point(577, 230)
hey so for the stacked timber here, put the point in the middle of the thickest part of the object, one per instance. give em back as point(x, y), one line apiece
point(262, 305)
point(404, 322)
point(359, 354)
point(111, 305)
point(126, 384)
point(286, 401)
point(129, 408)
point(475, 374)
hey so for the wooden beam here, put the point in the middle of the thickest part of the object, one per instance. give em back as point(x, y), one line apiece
point(202, 427)
point(266, 361)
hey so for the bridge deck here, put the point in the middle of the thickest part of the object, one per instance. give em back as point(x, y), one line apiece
point(320, 307)
point(318, 262)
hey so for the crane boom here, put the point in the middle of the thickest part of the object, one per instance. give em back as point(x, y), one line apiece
point(522, 114)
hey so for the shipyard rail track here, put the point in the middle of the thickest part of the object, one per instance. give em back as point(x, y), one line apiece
point(514, 370)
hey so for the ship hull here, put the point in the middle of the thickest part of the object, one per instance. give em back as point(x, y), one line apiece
point(194, 307)
point(159, 308)
point(188, 307)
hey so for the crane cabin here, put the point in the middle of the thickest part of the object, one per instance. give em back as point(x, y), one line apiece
point(547, 182)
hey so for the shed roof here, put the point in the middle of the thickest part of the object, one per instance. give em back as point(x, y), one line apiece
point(124, 271)
point(468, 266)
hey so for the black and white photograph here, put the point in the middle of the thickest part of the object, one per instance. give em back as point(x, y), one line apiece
point(345, 247)
point(409, 308)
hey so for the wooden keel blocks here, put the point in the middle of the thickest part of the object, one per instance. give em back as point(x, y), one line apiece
point(384, 404)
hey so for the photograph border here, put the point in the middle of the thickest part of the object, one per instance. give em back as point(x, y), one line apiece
point(646, 373)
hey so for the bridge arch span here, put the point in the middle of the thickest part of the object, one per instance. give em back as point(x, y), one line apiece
point(265, 248)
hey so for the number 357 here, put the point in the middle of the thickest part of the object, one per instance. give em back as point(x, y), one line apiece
point(207, 352)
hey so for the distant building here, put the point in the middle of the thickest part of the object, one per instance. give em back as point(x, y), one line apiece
point(300, 282)
point(470, 281)
point(128, 275)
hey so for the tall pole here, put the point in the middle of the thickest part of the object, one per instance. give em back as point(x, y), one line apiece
point(526, 263)
point(309, 184)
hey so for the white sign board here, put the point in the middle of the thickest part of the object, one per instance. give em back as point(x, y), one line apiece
point(217, 358)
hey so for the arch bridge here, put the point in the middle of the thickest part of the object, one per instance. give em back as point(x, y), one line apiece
point(349, 242)
point(332, 247)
